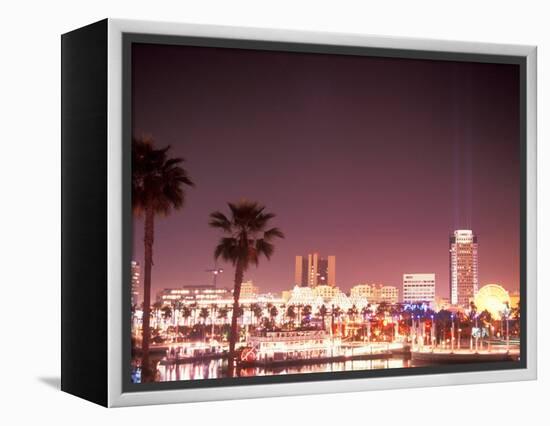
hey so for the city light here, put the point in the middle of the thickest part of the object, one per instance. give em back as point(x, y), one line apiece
point(321, 324)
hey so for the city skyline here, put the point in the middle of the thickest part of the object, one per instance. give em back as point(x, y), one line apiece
point(346, 287)
point(328, 158)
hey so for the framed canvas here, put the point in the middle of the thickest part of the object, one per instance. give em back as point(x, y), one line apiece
point(252, 212)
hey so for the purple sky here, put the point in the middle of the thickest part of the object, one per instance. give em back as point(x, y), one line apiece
point(373, 160)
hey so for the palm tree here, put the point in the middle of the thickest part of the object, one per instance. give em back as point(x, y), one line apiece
point(247, 238)
point(222, 313)
point(352, 312)
point(306, 314)
point(157, 189)
point(382, 309)
point(194, 306)
point(323, 313)
point(473, 310)
point(443, 322)
point(156, 312)
point(166, 312)
point(485, 317)
point(213, 309)
point(273, 312)
point(257, 311)
point(335, 313)
point(204, 314)
point(366, 311)
point(178, 306)
point(352, 315)
point(291, 313)
point(186, 313)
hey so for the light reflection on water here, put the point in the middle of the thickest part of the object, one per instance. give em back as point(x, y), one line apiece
point(208, 370)
point(213, 369)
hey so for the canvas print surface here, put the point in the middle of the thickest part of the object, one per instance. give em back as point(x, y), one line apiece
point(300, 213)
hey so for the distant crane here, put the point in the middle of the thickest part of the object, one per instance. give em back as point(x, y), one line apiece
point(215, 272)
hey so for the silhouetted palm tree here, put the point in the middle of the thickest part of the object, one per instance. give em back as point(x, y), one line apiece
point(306, 314)
point(322, 312)
point(291, 313)
point(382, 310)
point(473, 310)
point(443, 322)
point(158, 183)
point(247, 238)
point(366, 311)
point(222, 313)
point(486, 318)
point(214, 310)
point(273, 312)
point(257, 311)
point(352, 312)
point(335, 314)
point(166, 312)
point(204, 314)
point(186, 313)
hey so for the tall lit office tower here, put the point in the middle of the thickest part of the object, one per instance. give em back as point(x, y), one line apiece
point(314, 270)
point(136, 275)
point(463, 274)
point(418, 288)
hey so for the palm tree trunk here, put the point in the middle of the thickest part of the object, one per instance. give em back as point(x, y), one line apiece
point(234, 334)
point(332, 321)
point(148, 255)
point(177, 323)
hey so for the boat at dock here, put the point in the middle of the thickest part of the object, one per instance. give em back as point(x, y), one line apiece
point(183, 353)
point(302, 347)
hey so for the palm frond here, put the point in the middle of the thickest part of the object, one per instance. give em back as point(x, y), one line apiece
point(247, 240)
point(228, 249)
point(265, 248)
point(219, 220)
point(273, 233)
point(157, 179)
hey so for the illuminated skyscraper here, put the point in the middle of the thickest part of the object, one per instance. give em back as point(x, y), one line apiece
point(313, 270)
point(463, 274)
point(136, 275)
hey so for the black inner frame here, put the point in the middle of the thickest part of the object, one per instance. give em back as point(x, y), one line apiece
point(128, 39)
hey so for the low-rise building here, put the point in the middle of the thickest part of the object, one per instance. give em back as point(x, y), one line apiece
point(418, 288)
point(193, 293)
point(325, 292)
point(248, 290)
point(376, 293)
point(362, 290)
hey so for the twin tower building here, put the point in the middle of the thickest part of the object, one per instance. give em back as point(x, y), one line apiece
point(313, 270)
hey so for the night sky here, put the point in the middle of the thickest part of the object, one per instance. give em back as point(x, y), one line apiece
point(373, 160)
